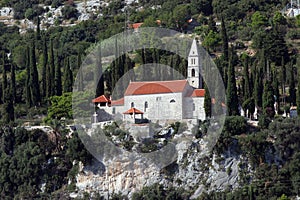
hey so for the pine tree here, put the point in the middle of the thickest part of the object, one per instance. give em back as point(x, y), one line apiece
point(34, 79)
point(57, 77)
point(232, 98)
point(68, 77)
point(44, 69)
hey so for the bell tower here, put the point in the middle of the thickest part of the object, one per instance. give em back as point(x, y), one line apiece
point(194, 67)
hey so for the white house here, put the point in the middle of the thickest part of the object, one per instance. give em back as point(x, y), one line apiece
point(161, 100)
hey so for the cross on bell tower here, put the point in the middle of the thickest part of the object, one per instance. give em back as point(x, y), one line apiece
point(194, 66)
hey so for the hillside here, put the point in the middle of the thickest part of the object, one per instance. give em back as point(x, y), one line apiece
point(44, 44)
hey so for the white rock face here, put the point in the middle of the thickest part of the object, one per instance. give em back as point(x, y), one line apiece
point(193, 171)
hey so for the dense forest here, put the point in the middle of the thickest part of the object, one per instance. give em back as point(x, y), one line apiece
point(254, 46)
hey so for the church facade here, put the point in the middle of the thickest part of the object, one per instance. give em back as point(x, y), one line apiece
point(161, 100)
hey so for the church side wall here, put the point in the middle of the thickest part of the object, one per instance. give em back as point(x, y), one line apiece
point(160, 106)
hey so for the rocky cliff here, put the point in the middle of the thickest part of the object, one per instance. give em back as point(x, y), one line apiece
point(188, 167)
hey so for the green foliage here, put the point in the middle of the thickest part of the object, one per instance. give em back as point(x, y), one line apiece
point(207, 103)
point(158, 192)
point(231, 92)
point(258, 20)
point(61, 106)
point(69, 12)
point(212, 40)
point(68, 77)
point(77, 151)
point(279, 19)
point(268, 100)
point(235, 125)
point(34, 78)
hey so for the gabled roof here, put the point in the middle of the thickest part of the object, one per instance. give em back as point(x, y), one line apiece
point(133, 110)
point(198, 93)
point(155, 87)
point(101, 99)
point(118, 102)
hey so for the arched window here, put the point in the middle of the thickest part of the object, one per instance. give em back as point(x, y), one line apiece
point(132, 104)
point(193, 72)
point(194, 108)
point(114, 110)
point(172, 101)
point(146, 106)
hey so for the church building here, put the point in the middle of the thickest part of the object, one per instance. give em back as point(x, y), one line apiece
point(161, 100)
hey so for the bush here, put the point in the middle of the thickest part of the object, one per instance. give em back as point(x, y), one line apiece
point(235, 125)
point(264, 121)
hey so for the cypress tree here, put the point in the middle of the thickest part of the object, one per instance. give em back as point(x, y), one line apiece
point(292, 89)
point(128, 69)
point(207, 102)
point(247, 92)
point(38, 29)
point(99, 71)
point(268, 99)
point(45, 78)
point(232, 98)
point(28, 85)
point(8, 114)
point(225, 41)
point(225, 59)
point(57, 77)
point(275, 86)
point(52, 69)
point(4, 77)
point(68, 77)
point(79, 74)
point(283, 76)
point(298, 91)
point(13, 83)
point(34, 79)
point(258, 88)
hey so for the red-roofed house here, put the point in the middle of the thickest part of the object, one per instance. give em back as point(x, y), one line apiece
point(166, 100)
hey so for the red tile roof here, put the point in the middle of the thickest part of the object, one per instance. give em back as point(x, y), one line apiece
point(156, 87)
point(133, 110)
point(101, 99)
point(135, 25)
point(198, 93)
point(118, 102)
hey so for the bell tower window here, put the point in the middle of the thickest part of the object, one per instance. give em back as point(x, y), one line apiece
point(193, 72)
